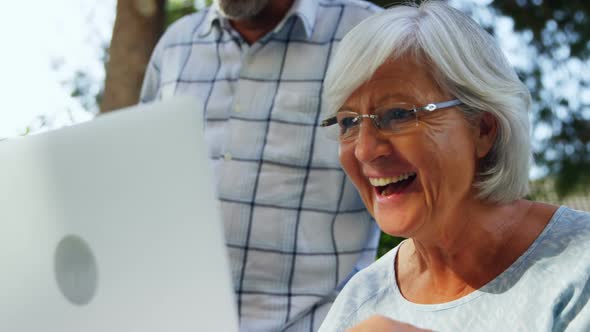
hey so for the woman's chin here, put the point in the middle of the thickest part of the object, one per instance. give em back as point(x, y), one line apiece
point(399, 215)
point(397, 223)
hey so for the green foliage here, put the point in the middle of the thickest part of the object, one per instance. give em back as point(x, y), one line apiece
point(384, 3)
point(86, 91)
point(560, 35)
point(386, 243)
point(176, 9)
point(541, 17)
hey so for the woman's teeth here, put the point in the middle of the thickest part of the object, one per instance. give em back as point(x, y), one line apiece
point(380, 182)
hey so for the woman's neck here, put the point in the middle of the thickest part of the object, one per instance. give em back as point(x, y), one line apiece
point(468, 250)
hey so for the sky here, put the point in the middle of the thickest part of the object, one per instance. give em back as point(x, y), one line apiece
point(45, 43)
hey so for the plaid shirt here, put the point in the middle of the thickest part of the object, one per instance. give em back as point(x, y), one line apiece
point(295, 227)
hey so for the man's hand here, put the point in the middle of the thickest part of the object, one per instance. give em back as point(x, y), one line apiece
point(383, 324)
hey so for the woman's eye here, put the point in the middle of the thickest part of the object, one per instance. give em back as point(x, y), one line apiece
point(347, 122)
point(396, 115)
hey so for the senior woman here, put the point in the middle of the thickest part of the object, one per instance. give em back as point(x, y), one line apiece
point(433, 126)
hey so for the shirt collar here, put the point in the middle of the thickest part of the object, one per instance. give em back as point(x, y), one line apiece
point(304, 10)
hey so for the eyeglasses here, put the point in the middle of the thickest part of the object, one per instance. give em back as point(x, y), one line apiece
point(388, 120)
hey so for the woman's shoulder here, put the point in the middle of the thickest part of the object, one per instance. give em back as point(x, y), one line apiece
point(569, 225)
point(571, 215)
point(565, 243)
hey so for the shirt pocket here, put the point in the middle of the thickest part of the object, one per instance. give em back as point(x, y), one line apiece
point(291, 129)
point(296, 107)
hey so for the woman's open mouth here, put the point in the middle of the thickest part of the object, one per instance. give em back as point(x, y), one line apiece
point(387, 186)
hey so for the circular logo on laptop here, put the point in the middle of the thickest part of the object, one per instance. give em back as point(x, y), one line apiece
point(75, 270)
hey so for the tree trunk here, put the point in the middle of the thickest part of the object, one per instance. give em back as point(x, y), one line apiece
point(138, 25)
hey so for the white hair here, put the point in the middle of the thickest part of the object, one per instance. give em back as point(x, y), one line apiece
point(466, 62)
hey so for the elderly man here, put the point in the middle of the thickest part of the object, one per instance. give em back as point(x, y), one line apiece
point(295, 227)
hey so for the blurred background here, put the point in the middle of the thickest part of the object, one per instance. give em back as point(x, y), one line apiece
point(65, 61)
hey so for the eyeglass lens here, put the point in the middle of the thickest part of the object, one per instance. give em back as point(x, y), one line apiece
point(389, 119)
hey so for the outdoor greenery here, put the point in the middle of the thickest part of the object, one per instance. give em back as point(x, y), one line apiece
point(176, 9)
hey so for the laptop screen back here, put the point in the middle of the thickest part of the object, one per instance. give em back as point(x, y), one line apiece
point(113, 225)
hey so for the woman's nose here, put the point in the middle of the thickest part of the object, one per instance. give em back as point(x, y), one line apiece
point(371, 143)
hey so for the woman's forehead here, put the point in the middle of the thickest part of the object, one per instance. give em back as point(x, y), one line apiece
point(398, 80)
point(405, 73)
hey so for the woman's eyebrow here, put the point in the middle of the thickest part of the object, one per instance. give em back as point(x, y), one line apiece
point(396, 97)
point(375, 102)
point(344, 109)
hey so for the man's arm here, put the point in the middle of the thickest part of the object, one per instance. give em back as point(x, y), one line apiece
point(151, 81)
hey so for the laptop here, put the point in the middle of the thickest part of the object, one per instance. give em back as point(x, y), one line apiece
point(113, 225)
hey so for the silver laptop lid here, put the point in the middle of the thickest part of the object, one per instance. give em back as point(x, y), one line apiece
point(113, 225)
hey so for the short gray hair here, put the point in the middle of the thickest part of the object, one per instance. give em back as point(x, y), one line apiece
point(466, 62)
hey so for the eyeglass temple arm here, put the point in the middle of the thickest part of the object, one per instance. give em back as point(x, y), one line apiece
point(329, 121)
point(444, 104)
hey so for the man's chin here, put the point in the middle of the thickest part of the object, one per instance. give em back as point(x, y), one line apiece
point(241, 10)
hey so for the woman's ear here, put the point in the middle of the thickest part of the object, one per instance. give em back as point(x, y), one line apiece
point(486, 132)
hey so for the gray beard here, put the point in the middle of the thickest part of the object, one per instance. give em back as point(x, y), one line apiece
point(241, 9)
